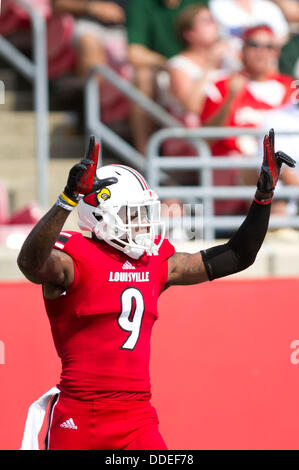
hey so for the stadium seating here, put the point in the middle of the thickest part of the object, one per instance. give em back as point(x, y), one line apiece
point(14, 17)
point(62, 55)
point(16, 226)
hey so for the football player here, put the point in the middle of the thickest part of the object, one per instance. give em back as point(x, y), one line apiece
point(101, 295)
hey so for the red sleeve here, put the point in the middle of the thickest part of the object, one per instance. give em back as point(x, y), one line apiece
point(165, 252)
point(210, 106)
point(67, 242)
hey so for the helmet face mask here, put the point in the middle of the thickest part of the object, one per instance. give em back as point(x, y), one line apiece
point(126, 215)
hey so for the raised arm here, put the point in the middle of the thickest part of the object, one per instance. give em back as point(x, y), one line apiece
point(241, 250)
point(38, 261)
point(75, 7)
point(235, 84)
point(103, 11)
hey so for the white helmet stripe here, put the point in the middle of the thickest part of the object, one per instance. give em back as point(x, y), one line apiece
point(140, 179)
point(105, 216)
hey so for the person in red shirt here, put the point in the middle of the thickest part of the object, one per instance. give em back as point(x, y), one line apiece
point(243, 99)
point(101, 297)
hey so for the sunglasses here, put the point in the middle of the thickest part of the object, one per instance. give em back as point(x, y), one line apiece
point(259, 45)
point(205, 19)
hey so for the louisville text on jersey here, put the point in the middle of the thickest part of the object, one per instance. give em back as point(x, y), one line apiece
point(129, 277)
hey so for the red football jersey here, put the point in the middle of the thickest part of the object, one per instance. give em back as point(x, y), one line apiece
point(248, 108)
point(102, 324)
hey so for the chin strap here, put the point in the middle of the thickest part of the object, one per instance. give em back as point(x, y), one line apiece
point(134, 253)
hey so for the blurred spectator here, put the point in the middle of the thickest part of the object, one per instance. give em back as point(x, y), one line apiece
point(245, 97)
point(98, 23)
point(289, 57)
point(193, 71)
point(152, 40)
point(183, 89)
point(234, 16)
point(290, 9)
point(100, 38)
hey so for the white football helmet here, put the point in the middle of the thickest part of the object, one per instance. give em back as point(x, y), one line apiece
point(125, 214)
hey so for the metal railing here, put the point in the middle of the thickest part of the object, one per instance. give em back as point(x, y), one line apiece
point(155, 167)
point(206, 163)
point(93, 117)
point(36, 71)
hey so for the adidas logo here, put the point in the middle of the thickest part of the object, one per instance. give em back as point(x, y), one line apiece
point(128, 265)
point(69, 424)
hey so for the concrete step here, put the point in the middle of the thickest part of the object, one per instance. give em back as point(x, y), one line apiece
point(17, 101)
point(9, 78)
point(17, 135)
point(18, 168)
point(24, 122)
point(23, 190)
point(24, 148)
point(14, 99)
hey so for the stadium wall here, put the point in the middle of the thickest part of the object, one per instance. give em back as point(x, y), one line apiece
point(225, 363)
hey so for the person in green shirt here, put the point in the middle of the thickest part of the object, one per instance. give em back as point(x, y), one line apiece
point(289, 58)
point(152, 41)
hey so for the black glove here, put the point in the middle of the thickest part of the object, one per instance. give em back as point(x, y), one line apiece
point(272, 162)
point(82, 178)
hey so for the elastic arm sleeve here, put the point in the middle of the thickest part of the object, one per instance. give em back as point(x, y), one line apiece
point(241, 250)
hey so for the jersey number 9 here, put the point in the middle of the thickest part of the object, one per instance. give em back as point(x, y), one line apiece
point(130, 318)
